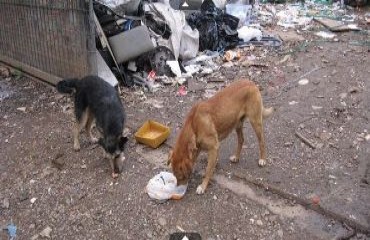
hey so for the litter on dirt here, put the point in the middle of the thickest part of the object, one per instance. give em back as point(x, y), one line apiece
point(163, 186)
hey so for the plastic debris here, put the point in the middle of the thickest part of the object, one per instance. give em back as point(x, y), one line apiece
point(175, 67)
point(241, 11)
point(217, 30)
point(182, 91)
point(163, 186)
point(46, 232)
point(231, 55)
point(292, 17)
point(303, 81)
point(248, 33)
point(12, 231)
point(327, 35)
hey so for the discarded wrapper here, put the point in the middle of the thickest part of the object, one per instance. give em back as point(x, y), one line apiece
point(230, 55)
point(163, 186)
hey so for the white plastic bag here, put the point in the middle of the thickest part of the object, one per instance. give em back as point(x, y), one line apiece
point(248, 33)
point(241, 11)
point(163, 186)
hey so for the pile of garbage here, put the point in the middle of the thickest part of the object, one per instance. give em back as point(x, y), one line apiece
point(152, 44)
point(144, 43)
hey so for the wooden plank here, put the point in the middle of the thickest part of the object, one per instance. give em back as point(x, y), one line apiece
point(335, 26)
point(34, 72)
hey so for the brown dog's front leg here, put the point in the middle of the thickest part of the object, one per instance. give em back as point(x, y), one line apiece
point(211, 165)
point(239, 132)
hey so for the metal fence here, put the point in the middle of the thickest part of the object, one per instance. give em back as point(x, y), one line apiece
point(50, 39)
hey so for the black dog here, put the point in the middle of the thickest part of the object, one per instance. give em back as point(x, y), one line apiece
point(97, 100)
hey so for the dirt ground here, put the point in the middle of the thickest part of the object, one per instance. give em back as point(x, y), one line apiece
point(44, 183)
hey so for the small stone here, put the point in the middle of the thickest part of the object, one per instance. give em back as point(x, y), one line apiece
point(303, 81)
point(162, 222)
point(214, 197)
point(22, 109)
point(315, 200)
point(83, 166)
point(343, 95)
point(259, 222)
point(367, 137)
point(251, 220)
point(293, 103)
point(354, 90)
point(23, 196)
point(319, 145)
point(280, 233)
point(58, 163)
point(4, 72)
point(149, 234)
point(316, 107)
point(33, 200)
point(6, 203)
point(46, 232)
point(325, 136)
point(288, 144)
point(34, 237)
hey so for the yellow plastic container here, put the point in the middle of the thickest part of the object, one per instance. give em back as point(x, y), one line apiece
point(152, 134)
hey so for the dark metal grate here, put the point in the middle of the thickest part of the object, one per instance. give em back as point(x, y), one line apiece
point(51, 36)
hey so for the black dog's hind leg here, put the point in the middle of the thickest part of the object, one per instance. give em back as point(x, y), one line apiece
point(81, 112)
point(89, 124)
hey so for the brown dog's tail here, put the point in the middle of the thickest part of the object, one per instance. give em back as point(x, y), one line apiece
point(266, 112)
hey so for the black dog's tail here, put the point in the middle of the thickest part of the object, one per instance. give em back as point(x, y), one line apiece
point(67, 85)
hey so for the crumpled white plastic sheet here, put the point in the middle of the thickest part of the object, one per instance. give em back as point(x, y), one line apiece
point(249, 33)
point(184, 41)
point(163, 186)
point(290, 18)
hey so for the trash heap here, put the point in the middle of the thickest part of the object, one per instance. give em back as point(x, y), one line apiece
point(153, 44)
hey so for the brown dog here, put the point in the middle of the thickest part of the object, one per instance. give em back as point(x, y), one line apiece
point(211, 121)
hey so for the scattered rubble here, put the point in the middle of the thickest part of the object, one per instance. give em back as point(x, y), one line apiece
point(181, 44)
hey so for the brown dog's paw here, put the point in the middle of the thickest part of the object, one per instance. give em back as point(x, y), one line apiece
point(76, 147)
point(200, 189)
point(262, 162)
point(233, 159)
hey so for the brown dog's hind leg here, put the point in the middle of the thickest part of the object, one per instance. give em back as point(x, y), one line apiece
point(79, 125)
point(258, 129)
point(89, 124)
point(239, 132)
point(211, 166)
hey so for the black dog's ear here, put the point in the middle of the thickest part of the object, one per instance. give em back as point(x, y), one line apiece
point(122, 142)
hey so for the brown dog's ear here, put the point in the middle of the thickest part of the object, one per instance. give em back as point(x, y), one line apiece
point(192, 147)
point(169, 160)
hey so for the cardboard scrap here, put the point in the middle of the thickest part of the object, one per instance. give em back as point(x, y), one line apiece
point(289, 36)
point(337, 26)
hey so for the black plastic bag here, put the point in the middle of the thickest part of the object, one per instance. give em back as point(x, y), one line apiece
point(217, 30)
